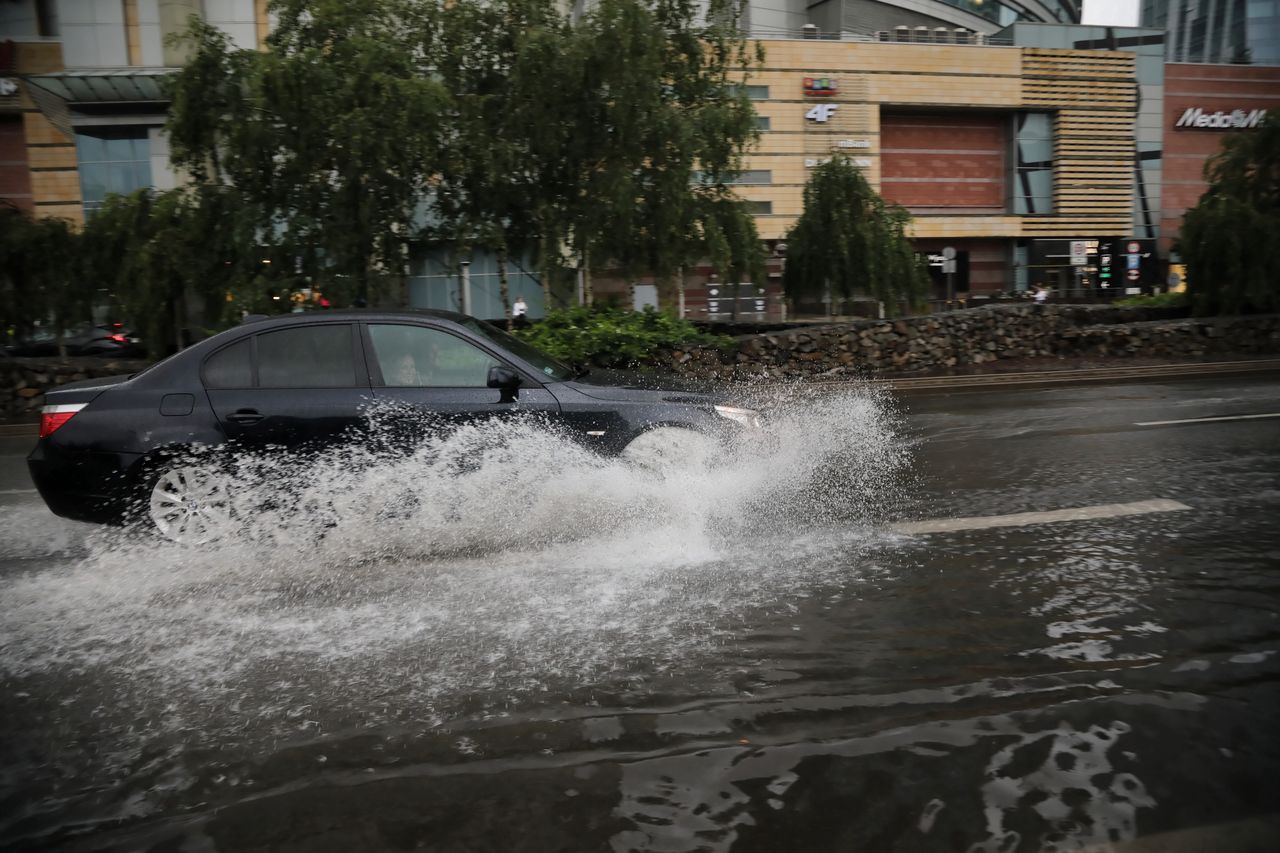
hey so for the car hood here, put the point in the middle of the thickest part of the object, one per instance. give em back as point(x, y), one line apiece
point(630, 388)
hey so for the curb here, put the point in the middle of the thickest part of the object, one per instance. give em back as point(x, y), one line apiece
point(10, 430)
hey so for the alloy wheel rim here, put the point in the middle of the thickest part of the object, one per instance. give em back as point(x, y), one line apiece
point(190, 506)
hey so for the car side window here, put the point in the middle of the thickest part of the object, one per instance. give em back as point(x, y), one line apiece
point(230, 367)
point(307, 357)
point(420, 357)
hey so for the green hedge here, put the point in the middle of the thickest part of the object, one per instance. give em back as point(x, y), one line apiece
point(1155, 300)
point(612, 337)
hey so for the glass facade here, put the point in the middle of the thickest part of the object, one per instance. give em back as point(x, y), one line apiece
point(435, 281)
point(1004, 14)
point(1226, 31)
point(111, 160)
point(1033, 163)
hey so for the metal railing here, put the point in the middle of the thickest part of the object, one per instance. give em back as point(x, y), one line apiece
point(897, 35)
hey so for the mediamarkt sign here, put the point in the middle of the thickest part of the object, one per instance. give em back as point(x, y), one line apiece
point(1234, 120)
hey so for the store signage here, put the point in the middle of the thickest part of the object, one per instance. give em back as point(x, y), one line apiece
point(820, 87)
point(821, 112)
point(1196, 117)
point(1078, 251)
point(853, 143)
point(8, 87)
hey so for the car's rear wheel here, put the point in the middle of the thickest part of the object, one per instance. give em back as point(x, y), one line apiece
point(189, 504)
point(668, 448)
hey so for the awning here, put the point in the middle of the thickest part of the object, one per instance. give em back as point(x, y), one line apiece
point(104, 85)
point(57, 93)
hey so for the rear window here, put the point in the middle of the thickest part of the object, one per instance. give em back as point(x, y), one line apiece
point(307, 357)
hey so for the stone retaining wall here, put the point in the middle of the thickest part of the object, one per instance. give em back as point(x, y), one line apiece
point(975, 336)
point(863, 347)
point(23, 381)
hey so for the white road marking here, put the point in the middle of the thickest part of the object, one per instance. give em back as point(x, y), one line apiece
point(1022, 519)
point(1207, 420)
point(17, 491)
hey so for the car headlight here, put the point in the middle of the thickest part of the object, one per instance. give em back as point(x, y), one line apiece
point(746, 417)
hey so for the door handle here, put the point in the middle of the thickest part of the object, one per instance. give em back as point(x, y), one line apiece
point(245, 417)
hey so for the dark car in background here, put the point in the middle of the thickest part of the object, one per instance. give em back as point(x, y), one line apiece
point(301, 382)
point(110, 340)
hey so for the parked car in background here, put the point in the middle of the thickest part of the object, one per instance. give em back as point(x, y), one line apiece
point(303, 382)
point(112, 340)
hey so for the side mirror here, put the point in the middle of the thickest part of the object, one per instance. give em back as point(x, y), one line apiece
point(504, 378)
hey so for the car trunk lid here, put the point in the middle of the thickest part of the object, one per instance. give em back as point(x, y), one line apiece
point(64, 402)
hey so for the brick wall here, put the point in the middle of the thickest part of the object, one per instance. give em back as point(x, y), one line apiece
point(954, 163)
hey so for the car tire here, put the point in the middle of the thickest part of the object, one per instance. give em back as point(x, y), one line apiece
point(668, 448)
point(188, 503)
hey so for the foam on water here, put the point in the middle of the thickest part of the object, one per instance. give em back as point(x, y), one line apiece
point(502, 557)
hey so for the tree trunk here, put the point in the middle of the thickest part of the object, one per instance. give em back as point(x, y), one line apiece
point(503, 292)
point(177, 322)
point(588, 297)
point(680, 293)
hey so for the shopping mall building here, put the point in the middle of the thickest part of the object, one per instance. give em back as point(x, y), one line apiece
point(1028, 148)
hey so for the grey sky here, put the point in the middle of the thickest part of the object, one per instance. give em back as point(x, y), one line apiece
point(1118, 13)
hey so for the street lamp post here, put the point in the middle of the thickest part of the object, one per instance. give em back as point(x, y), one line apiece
point(466, 287)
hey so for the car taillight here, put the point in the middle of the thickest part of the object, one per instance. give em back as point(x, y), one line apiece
point(120, 339)
point(53, 417)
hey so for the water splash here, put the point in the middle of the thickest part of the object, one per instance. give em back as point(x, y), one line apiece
point(500, 557)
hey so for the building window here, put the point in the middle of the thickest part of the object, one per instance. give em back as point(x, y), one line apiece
point(759, 208)
point(111, 160)
point(762, 122)
point(1033, 169)
point(754, 93)
point(750, 176)
point(46, 18)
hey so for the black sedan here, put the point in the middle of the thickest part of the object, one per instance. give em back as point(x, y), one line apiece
point(110, 340)
point(117, 447)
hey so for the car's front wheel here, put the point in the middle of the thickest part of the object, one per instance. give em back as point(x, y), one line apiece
point(189, 504)
point(668, 448)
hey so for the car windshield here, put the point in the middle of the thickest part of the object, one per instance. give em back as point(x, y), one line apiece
point(551, 367)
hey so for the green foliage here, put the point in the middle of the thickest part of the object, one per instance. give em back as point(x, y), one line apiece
point(42, 279)
point(1231, 239)
point(623, 111)
point(848, 239)
point(612, 337)
point(157, 252)
point(729, 238)
point(1155, 300)
point(369, 125)
point(331, 134)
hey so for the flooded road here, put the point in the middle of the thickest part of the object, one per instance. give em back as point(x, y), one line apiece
point(553, 652)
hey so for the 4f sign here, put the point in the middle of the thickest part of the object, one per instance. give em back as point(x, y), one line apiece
point(821, 112)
